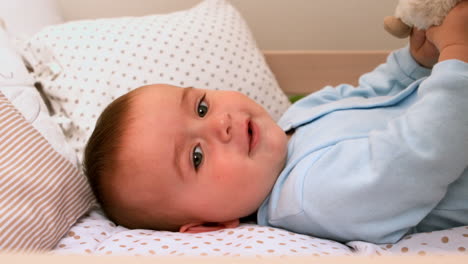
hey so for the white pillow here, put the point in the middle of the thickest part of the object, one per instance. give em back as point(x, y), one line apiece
point(18, 87)
point(448, 242)
point(23, 18)
point(12, 69)
point(96, 235)
point(84, 65)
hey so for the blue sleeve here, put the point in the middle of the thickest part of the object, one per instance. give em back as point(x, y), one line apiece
point(376, 188)
point(389, 78)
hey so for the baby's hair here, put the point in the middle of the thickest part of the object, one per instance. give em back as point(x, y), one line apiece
point(102, 166)
point(100, 155)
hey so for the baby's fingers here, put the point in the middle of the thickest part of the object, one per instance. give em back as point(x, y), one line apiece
point(422, 50)
point(417, 38)
point(431, 34)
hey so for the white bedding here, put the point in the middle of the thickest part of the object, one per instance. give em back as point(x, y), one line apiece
point(96, 235)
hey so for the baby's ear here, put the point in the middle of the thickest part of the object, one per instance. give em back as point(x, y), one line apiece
point(207, 227)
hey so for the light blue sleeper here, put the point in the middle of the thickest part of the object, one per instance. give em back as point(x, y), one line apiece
point(377, 161)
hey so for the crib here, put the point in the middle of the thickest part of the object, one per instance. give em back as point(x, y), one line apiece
point(70, 71)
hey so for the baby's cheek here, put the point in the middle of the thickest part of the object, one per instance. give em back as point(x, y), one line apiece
point(229, 170)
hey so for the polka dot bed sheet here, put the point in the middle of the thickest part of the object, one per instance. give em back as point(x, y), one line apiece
point(94, 234)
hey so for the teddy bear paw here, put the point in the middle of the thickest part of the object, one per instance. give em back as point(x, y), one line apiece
point(396, 27)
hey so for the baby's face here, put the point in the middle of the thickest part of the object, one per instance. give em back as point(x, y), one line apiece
point(215, 154)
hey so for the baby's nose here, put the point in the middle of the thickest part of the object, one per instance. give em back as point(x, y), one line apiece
point(221, 126)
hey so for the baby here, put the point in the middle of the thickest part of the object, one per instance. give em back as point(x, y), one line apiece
point(371, 163)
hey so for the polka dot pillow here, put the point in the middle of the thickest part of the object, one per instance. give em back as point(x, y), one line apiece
point(453, 241)
point(84, 65)
point(94, 234)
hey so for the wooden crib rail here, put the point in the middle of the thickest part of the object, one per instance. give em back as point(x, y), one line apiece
point(305, 71)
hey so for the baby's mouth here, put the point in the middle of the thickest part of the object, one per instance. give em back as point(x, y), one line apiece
point(252, 133)
point(249, 131)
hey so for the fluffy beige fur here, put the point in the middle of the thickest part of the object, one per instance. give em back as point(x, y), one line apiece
point(417, 13)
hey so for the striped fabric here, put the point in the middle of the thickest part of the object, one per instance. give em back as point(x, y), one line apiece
point(41, 193)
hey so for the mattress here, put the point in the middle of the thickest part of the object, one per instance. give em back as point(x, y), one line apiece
point(94, 234)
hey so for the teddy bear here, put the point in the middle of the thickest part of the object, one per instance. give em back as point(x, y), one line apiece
point(421, 14)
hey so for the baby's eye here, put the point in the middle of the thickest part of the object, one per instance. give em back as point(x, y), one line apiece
point(197, 157)
point(202, 108)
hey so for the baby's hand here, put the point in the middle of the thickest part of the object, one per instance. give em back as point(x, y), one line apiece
point(422, 50)
point(451, 38)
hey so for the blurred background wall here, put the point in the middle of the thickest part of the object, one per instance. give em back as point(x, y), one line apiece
point(276, 24)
